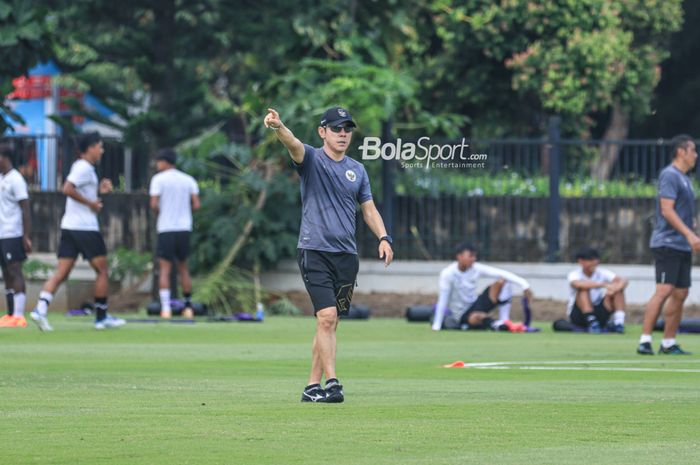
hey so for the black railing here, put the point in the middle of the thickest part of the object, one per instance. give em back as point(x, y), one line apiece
point(530, 200)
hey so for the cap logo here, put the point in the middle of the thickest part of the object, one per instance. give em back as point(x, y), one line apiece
point(342, 113)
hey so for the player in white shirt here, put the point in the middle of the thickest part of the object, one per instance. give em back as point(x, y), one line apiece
point(459, 305)
point(80, 234)
point(14, 238)
point(174, 195)
point(595, 294)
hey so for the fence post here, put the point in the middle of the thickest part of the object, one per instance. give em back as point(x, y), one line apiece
point(388, 191)
point(554, 137)
point(128, 174)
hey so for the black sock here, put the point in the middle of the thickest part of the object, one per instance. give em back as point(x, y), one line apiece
point(100, 308)
point(188, 299)
point(590, 318)
point(332, 380)
point(10, 297)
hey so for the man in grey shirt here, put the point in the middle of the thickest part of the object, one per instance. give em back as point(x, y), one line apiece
point(332, 184)
point(672, 243)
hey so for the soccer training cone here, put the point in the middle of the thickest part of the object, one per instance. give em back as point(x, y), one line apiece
point(458, 364)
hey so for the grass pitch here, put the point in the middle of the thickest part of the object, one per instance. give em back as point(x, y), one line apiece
point(229, 394)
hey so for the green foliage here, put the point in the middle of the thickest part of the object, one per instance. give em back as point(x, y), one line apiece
point(229, 292)
point(36, 269)
point(283, 307)
point(25, 39)
point(125, 262)
point(570, 58)
point(515, 184)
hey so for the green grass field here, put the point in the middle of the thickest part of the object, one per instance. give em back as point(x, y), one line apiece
point(229, 394)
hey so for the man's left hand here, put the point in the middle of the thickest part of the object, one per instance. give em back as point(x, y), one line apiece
point(385, 252)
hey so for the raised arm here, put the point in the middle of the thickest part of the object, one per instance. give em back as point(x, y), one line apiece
point(293, 145)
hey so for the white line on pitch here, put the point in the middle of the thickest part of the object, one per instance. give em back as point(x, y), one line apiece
point(572, 368)
point(571, 362)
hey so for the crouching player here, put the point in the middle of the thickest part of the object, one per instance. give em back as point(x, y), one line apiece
point(460, 307)
point(595, 294)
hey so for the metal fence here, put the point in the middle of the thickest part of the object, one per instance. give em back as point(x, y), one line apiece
point(530, 200)
point(45, 161)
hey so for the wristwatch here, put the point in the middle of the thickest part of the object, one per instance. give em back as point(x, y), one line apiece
point(387, 238)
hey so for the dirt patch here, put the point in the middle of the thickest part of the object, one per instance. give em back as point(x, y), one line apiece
point(394, 305)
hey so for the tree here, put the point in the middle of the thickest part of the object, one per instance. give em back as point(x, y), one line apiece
point(579, 60)
point(148, 61)
point(25, 40)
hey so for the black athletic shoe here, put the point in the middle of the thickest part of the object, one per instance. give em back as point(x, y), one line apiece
point(645, 349)
point(314, 393)
point(613, 328)
point(675, 349)
point(334, 391)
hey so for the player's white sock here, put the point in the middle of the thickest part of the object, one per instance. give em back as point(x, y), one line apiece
point(165, 299)
point(619, 317)
point(666, 343)
point(20, 302)
point(645, 338)
point(506, 295)
point(45, 299)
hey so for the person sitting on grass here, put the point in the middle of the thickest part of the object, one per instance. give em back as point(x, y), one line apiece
point(460, 307)
point(595, 294)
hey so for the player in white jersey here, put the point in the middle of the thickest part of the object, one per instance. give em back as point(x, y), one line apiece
point(174, 195)
point(14, 238)
point(459, 305)
point(80, 234)
point(595, 294)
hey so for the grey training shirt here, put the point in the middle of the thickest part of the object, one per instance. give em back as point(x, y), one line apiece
point(330, 191)
point(673, 184)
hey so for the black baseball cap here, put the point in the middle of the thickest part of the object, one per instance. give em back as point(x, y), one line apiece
point(335, 116)
point(167, 154)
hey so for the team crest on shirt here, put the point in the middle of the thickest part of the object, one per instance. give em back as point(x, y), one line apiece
point(350, 174)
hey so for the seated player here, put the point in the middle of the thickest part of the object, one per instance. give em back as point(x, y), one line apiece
point(460, 307)
point(596, 294)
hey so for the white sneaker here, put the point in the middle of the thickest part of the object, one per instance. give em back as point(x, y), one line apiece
point(41, 321)
point(109, 322)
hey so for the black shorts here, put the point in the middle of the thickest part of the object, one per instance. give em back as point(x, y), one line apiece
point(329, 278)
point(672, 266)
point(483, 304)
point(174, 245)
point(11, 250)
point(601, 314)
point(88, 243)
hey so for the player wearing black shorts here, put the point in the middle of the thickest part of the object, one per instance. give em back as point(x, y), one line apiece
point(14, 238)
point(174, 195)
point(459, 304)
point(332, 184)
point(672, 243)
point(80, 234)
point(596, 295)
